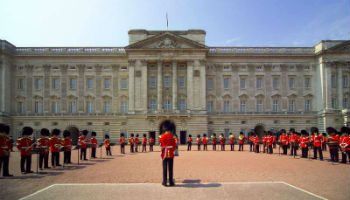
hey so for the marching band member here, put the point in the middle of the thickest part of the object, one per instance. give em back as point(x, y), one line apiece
point(168, 144)
point(151, 143)
point(205, 142)
point(189, 142)
point(67, 145)
point(304, 143)
point(324, 143)
point(264, 139)
point(284, 141)
point(83, 144)
point(94, 144)
point(144, 143)
point(131, 142)
point(137, 142)
point(250, 141)
point(43, 145)
point(5, 149)
point(199, 142)
point(25, 146)
point(107, 144)
point(214, 141)
point(232, 141)
point(122, 142)
point(274, 140)
point(256, 142)
point(55, 147)
point(222, 141)
point(269, 143)
point(294, 141)
point(317, 143)
point(333, 144)
point(10, 141)
point(241, 139)
point(345, 144)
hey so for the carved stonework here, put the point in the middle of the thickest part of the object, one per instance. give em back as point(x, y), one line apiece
point(167, 43)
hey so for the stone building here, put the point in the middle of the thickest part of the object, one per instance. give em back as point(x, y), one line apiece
point(173, 74)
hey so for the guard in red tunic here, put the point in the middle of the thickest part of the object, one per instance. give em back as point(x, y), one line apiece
point(67, 147)
point(269, 142)
point(264, 138)
point(317, 142)
point(222, 140)
point(94, 144)
point(344, 144)
point(151, 143)
point(137, 142)
point(25, 146)
point(304, 143)
point(333, 144)
point(312, 138)
point(55, 147)
point(241, 139)
point(284, 141)
point(43, 146)
point(5, 148)
point(168, 144)
point(131, 142)
point(144, 143)
point(250, 141)
point(107, 144)
point(294, 142)
point(122, 142)
point(83, 142)
point(199, 142)
point(214, 141)
point(189, 142)
point(256, 142)
point(232, 141)
point(324, 143)
point(205, 142)
point(274, 140)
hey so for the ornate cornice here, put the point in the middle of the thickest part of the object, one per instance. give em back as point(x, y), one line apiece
point(70, 51)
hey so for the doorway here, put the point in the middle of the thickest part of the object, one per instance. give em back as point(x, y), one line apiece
point(183, 137)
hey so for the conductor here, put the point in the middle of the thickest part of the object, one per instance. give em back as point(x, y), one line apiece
point(167, 142)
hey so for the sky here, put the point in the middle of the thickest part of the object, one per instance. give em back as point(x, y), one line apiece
point(106, 23)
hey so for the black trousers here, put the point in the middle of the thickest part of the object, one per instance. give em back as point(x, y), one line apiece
point(269, 149)
point(319, 149)
point(83, 154)
point(122, 149)
point(189, 146)
point(232, 147)
point(198, 147)
point(205, 147)
point(93, 152)
point(251, 146)
point(214, 147)
point(304, 152)
point(26, 163)
point(334, 154)
point(4, 163)
point(293, 150)
point(131, 148)
point(44, 160)
point(136, 148)
point(324, 146)
point(240, 147)
point(257, 148)
point(109, 152)
point(285, 148)
point(67, 157)
point(344, 155)
point(55, 158)
point(222, 147)
point(151, 147)
point(144, 148)
point(168, 166)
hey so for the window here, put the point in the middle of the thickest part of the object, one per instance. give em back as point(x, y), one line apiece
point(38, 107)
point(275, 105)
point(291, 83)
point(153, 104)
point(334, 103)
point(73, 83)
point(242, 83)
point(259, 83)
point(20, 84)
point(107, 106)
point(291, 105)
point(242, 107)
point(55, 107)
point(345, 81)
point(124, 84)
point(72, 107)
point(90, 83)
point(210, 83)
point(152, 82)
point(307, 82)
point(89, 107)
point(38, 83)
point(275, 83)
point(107, 83)
point(226, 83)
point(124, 106)
point(307, 105)
point(182, 105)
point(20, 107)
point(259, 105)
point(167, 82)
point(346, 102)
point(181, 80)
point(333, 81)
point(167, 104)
point(55, 83)
point(210, 105)
point(226, 106)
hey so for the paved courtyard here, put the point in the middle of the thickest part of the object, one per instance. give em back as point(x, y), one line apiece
point(199, 175)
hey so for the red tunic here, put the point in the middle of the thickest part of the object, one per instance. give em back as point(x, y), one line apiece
point(144, 141)
point(107, 143)
point(256, 140)
point(189, 139)
point(168, 144)
point(284, 139)
point(131, 140)
point(205, 140)
point(137, 141)
point(304, 140)
point(4, 145)
point(214, 140)
point(345, 141)
point(318, 140)
point(93, 142)
point(199, 140)
point(222, 140)
point(121, 140)
point(231, 139)
point(82, 142)
point(67, 143)
point(24, 144)
point(55, 144)
point(269, 140)
point(241, 140)
point(151, 141)
point(43, 144)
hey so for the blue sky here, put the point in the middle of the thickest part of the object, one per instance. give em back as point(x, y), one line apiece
point(227, 23)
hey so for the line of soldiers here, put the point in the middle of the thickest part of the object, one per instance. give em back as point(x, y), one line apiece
point(134, 142)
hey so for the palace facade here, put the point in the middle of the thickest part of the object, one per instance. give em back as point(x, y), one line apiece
point(173, 74)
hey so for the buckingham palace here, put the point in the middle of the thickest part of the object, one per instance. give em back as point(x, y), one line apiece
point(175, 75)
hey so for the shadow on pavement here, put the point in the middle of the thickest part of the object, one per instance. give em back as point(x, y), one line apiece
point(196, 183)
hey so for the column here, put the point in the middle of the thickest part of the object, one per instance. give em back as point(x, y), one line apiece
point(203, 85)
point(144, 86)
point(174, 86)
point(131, 86)
point(340, 87)
point(327, 86)
point(159, 88)
point(189, 85)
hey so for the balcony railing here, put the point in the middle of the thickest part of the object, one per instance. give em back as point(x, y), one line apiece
point(262, 50)
point(43, 51)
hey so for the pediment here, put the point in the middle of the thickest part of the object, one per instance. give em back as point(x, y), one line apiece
point(342, 47)
point(166, 40)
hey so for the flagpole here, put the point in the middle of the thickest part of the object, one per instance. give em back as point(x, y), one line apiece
point(167, 23)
